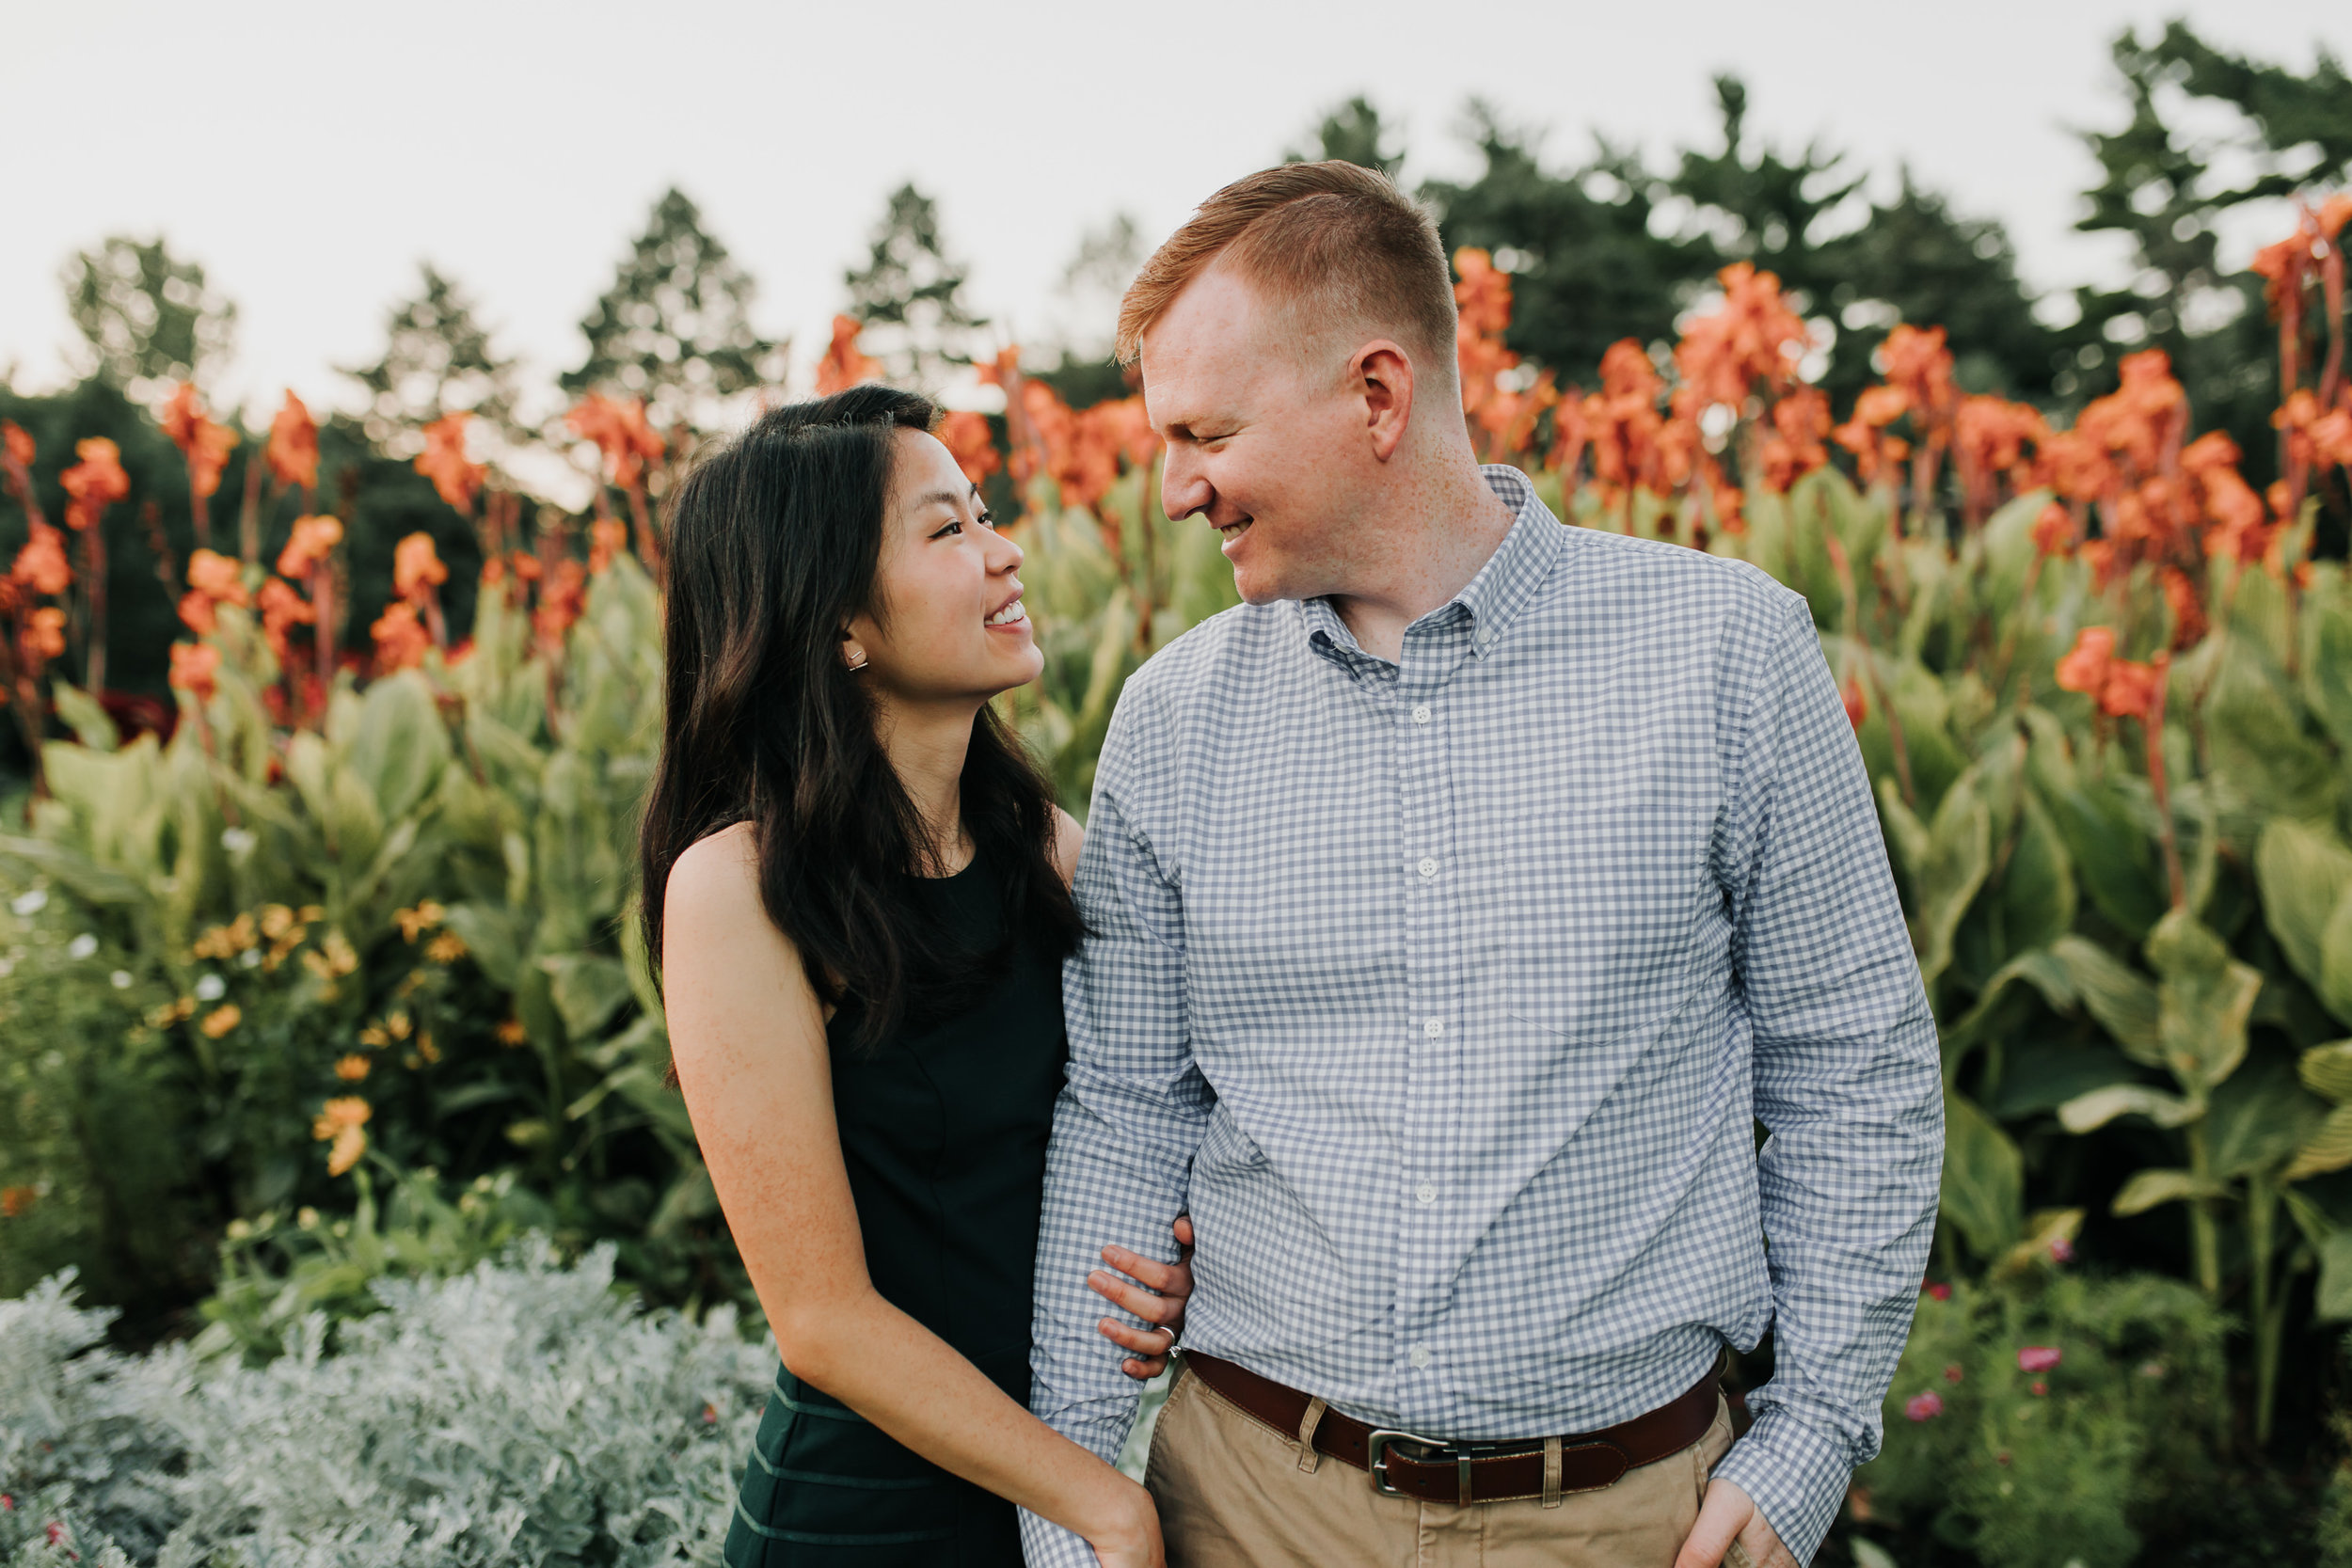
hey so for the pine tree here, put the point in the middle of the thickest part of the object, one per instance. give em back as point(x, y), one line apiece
point(910, 295)
point(675, 328)
point(1353, 132)
point(438, 359)
point(149, 316)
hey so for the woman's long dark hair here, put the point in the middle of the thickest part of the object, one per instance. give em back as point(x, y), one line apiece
point(774, 544)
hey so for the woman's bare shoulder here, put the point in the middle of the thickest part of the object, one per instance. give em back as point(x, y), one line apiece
point(715, 880)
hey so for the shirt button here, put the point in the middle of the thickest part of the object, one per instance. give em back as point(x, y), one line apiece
point(1427, 1193)
point(1428, 868)
point(1420, 1357)
point(1421, 714)
point(1434, 1028)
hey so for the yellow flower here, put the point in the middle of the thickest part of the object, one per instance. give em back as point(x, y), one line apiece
point(343, 1120)
point(374, 1037)
point(426, 1048)
point(512, 1033)
point(446, 948)
point(340, 956)
point(350, 1069)
point(172, 1013)
point(412, 923)
point(396, 1024)
point(221, 1020)
point(310, 915)
point(276, 920)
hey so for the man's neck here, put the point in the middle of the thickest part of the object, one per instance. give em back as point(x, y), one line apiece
point(1434, 550)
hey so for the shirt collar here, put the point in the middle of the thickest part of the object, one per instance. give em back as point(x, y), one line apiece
point(1491, 600)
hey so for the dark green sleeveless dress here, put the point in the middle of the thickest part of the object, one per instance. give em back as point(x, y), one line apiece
point(944, 1128)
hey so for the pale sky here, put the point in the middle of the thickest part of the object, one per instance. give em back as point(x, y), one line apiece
point(308, 155)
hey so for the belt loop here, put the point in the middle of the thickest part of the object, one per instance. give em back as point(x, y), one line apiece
point(1462, 1479)
point(1551, 1472)
point(1307, 1456)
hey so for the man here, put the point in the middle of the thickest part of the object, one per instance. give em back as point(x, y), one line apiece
point(1461, 900)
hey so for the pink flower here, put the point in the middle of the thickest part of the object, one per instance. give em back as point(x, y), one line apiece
point(2061, 1250)
point(8, 1504)
point(1924, 1407)
point(57, 1532)
point(2040, 1387)
point(1941, 1293)
point(1952, 1373)
point(2038, 1358)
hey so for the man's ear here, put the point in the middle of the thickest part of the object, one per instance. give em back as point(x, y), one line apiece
point(1385, 376)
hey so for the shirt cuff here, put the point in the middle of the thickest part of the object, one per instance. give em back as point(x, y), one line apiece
point(1796, 1473)
point(1046, 1544)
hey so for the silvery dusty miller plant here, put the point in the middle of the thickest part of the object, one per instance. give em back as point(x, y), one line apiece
point(523, 1413)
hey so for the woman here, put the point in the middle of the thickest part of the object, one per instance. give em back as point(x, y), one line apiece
point(866, 905)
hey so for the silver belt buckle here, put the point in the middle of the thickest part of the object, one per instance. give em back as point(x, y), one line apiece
point(1377, 1455)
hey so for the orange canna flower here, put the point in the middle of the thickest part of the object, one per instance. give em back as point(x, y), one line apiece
point(843, 366)
point(205, 444)
point(416, 570)
point(198, 613)
point(312, 540)
point(966, 437)
point(2084, 668)
point(606, 538)
point(1857, 705)
point(444, 462)
point(561, 600)
point(2188, 609)
point(42, 565)
point(17, 445)
point(2054, 530)
point(217, 577)
point(618, 427)
point(292, 452)
point(45, 633)
point(96, 483)
point(2123, 689)
point(281, 608)
point(194, 669)
point(401, 639)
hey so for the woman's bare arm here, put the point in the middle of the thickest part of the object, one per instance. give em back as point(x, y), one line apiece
point(748, 1035)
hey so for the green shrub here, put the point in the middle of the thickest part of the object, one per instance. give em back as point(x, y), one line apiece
point(2021, 1464)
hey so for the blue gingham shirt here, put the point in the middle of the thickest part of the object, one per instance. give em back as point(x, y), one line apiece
point(1445, 993)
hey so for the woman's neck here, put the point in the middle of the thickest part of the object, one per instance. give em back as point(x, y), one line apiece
point(927, 745)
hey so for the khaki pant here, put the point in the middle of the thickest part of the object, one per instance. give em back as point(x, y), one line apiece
point(1234, 1493)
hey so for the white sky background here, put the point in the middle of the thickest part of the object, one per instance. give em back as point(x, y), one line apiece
point(308, 155)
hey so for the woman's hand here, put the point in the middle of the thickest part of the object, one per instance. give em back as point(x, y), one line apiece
point(1157, 1298)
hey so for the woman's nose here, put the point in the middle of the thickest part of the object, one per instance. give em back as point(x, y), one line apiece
point(1007, 555)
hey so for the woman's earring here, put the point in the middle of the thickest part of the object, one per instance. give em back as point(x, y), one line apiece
point(859, 663)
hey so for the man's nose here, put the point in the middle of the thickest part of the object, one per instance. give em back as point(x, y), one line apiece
point(1184, 489)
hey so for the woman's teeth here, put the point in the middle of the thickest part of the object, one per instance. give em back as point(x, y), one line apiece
point(1011, 614)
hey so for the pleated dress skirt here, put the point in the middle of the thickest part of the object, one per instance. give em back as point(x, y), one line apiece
point(825, 1487)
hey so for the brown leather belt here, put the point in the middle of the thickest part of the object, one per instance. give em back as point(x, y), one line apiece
point(1406, 1465)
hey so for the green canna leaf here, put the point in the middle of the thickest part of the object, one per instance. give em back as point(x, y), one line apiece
point(2089, 1112)
point(2304, 872)
point(1983, 1177)
point(2204, 995)
point(2149, 1188)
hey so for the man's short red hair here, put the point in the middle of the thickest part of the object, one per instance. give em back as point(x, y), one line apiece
point(1335, 244)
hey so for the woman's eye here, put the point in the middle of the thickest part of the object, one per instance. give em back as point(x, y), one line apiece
point(987, 521)
point(956, 527)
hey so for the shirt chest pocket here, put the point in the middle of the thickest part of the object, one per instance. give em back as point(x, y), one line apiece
point(1593, 907)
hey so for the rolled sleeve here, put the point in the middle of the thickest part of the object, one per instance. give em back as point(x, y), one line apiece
point(1125, 1128)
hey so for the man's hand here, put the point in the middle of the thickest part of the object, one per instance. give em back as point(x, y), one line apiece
point(1159, 1298)
point(1732, 1532)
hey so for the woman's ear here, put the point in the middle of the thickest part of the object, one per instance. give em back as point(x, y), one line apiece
point(852, 653)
